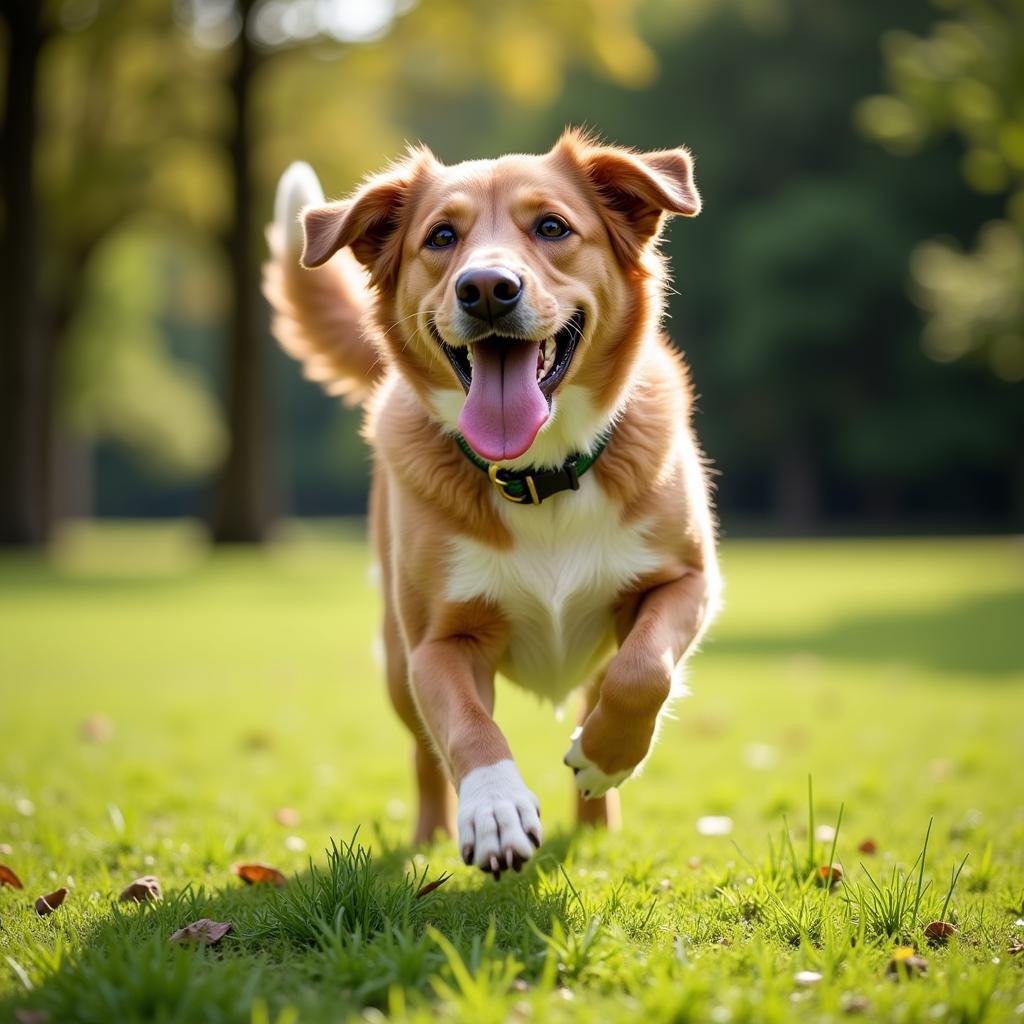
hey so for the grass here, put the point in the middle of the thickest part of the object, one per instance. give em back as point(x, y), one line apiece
point(235, 684)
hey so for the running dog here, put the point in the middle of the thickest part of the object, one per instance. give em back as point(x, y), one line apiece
point(540, 504)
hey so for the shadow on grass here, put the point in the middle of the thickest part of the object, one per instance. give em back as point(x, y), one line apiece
point(981, 636)
point(335, 939)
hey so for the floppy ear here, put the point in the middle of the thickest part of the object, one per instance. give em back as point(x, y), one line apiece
point(636, 190)
point(370, 222)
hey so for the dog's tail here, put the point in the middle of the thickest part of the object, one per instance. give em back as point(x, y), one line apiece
point(318, 314)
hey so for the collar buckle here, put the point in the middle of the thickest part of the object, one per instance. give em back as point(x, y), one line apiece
point(530, 495)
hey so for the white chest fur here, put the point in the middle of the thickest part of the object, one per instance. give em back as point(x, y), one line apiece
point(556, 586)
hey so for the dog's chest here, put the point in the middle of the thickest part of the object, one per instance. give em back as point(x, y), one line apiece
point(557, 586)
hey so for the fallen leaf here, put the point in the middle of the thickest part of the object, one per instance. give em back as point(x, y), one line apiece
point(257, 740)
point(97, 728)
point(258, 874)
point(857, 1004)
point(48, 904)
point(431, 886)
point(25, 1016)
point(142, 890)
point(868, 846)
point(204, 932)
point(830, 875)
point(905, 963)
point(940, 931)
point(8, 877)
point(287, 816)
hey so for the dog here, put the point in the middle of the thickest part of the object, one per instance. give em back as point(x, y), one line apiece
point(540, 506)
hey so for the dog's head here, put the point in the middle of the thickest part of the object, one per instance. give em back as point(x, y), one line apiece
point(514, 293)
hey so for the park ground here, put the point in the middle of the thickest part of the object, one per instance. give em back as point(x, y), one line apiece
point(163, 709)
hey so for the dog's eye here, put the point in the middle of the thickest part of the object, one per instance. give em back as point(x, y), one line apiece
point(441, 237)
point(552, 227)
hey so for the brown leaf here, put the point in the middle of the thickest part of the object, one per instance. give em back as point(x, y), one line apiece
point(855, 1004)
point(868, 846)
point(48, 904)
point(287, 816)
point(26, 1016)
point(97, 728)
point(258, 874)
point(8, 877)
point(203, 932)
point(940, 931)
point(431, 886)
point(830, 876)
point(905, 963)
point(142, 890)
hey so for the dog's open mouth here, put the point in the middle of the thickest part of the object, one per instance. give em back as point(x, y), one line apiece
point(509, 383)
point(554, 354)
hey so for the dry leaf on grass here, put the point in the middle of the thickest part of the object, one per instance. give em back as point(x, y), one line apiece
point(830, 876)
point(203, 932)
point(142, 890)
point(868, 846)
point(8, 877)
point(940, 931)
point(48, 904)
point(97, 728)
point(258, 874)
point(431, 886)
point(26, 1016)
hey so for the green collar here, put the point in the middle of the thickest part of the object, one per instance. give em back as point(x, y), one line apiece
point(532, 486)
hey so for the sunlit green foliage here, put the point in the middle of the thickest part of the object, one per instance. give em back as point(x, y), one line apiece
point(964, 77)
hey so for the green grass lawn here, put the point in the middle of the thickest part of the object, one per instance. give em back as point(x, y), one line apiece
point(239, 683)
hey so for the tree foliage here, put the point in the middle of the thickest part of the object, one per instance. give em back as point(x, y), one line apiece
point(965, 77)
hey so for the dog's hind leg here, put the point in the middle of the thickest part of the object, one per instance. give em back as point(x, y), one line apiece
point(603, 810)
point(435, 795)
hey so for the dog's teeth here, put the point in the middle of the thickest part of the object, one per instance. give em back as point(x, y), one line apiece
point(545, 357)
point(469, 354)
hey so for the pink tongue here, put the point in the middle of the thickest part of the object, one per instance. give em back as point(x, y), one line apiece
point(504, 408)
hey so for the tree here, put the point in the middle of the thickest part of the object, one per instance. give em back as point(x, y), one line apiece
point(964, 78)
point(24, 357)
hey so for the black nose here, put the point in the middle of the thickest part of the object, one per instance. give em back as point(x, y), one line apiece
point(489, 293)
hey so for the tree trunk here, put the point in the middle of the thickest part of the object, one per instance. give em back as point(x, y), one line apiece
point(797, 497)
point(25, 377)
point(243, 513)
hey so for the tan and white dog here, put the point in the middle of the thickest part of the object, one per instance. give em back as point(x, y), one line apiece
point(539, 503)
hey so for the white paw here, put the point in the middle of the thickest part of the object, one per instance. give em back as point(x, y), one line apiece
point(590, 780)
point(499, 818)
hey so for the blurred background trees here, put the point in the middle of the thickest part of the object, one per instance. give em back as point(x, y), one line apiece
point(853, 311)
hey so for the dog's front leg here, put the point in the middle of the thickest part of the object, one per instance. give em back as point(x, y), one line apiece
point(618, 732)
point(498, 818)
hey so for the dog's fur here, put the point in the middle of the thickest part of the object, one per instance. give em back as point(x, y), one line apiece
point(604, 589)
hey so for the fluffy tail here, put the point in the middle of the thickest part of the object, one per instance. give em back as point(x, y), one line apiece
point(317, 313)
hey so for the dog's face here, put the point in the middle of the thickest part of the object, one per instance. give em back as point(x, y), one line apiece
point(502, 284)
